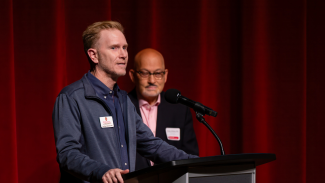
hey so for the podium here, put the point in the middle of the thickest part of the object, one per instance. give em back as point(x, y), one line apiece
point(233, 168)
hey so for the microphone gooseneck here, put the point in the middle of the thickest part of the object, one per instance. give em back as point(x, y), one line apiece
point(174, 96)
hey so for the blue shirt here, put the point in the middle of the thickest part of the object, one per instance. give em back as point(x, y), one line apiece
point(110, 98)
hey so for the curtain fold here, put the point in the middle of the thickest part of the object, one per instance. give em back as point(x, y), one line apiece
point(8, 125)
point(315, 90)
point(258, 63)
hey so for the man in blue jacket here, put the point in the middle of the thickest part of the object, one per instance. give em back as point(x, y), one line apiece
point(97, 129)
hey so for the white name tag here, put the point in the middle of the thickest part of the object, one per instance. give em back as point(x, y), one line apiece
point(106, 122)
point(173, 134)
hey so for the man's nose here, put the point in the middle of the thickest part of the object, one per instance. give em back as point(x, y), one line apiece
point(123, 53)
point(151, 78)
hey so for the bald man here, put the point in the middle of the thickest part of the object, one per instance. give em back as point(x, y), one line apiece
point(171, 122)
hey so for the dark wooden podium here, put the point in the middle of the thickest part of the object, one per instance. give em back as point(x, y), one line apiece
point(233, 168)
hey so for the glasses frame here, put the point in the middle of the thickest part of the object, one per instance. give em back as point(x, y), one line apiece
point(149, 74)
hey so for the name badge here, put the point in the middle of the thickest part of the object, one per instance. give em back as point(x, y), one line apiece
point(173, 134)
point(106, 122)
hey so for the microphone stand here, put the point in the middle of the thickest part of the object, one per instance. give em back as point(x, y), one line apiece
point(199, 116)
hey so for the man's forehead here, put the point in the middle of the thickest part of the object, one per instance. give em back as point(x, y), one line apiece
point(112, 35)
point(152, 62)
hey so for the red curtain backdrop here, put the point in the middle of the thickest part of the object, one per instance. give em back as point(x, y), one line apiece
point(258, 63)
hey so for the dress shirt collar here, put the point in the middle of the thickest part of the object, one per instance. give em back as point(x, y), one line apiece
point(145, 103)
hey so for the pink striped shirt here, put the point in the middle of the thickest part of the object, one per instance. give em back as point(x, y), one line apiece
point(149, 114)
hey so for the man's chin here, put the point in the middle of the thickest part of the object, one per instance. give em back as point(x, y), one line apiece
point(122, 74)
point(151, 94)
point(119, 74)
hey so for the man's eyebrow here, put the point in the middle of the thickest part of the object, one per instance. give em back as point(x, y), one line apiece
point(117, 45)
point(157, 70)
point(143, 70)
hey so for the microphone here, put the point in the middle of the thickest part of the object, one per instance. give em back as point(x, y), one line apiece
point(174, 96)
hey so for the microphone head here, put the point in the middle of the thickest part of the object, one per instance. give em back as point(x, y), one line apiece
point(172, 95)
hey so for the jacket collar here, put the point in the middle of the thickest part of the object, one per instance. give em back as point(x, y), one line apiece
point(89, 89)
point(134, 99)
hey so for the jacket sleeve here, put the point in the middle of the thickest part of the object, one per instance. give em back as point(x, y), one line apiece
point(67, 133)
point(189, 142)
point(154, 148)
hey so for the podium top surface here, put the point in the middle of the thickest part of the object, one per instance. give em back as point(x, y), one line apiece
point(256, 158)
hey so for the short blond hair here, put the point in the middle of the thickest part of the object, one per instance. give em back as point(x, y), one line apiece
point(91, 35)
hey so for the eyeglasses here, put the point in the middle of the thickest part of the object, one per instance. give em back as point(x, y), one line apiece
point(146, 74)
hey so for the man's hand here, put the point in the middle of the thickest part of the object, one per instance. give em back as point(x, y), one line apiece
point(114, 175)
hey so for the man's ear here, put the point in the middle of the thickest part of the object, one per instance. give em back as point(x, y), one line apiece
point(166, 73)
point(93, 55)
point(131, 74)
